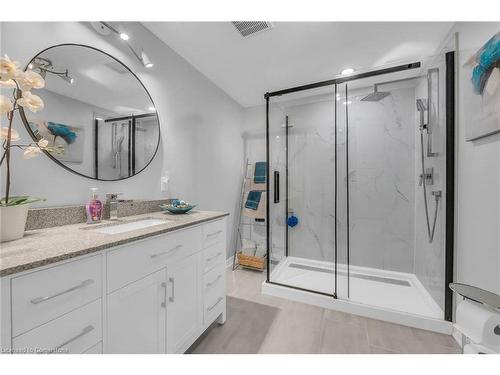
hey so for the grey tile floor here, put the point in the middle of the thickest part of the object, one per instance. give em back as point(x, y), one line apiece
point(302, 328)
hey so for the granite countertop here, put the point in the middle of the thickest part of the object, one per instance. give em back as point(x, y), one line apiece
point(45, 246)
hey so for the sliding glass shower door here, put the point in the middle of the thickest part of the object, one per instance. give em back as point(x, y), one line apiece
point(302, 166)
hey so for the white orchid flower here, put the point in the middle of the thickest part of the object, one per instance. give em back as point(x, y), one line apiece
point(8, 69)
point(43, 143)
point(33, 102)
point(9, 84)
point(4, 134)
point(6, 105)
point(31, 152)
point(30, 80)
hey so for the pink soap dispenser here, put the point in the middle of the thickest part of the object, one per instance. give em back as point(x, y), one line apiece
point(94, 208)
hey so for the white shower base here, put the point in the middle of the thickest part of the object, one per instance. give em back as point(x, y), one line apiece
point(380, 294)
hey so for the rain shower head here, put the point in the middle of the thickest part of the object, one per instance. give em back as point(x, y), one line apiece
point(376, 95)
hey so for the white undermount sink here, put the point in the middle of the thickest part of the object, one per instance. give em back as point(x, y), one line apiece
point(131, 225)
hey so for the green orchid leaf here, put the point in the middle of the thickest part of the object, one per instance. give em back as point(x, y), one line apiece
point(33, 200)
point(19, 200)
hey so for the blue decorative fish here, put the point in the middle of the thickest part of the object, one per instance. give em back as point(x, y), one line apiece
point(63, 131)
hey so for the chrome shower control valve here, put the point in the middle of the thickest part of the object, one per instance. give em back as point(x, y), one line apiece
point(429, 177)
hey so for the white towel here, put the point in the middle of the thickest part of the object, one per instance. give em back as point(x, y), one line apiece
point(260, 251)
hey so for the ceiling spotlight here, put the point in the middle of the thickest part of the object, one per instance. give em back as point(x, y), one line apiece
point(152, 108)
point(105, 28)
point(145, 60)
point(99, 119)
point(347, 102)
point(347, 71)
point(66, 77)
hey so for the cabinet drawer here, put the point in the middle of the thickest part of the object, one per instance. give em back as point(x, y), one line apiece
point(214, 232)
point(214, 283)
point(135, 261)
point(213, 255)
point(72, 333)
point(44, 295)
point(214, 303)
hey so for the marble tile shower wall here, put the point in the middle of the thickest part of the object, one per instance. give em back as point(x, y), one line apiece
point(382, 181)
point(311, 179)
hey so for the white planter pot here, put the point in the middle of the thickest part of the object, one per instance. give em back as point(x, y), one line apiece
point(12, 222)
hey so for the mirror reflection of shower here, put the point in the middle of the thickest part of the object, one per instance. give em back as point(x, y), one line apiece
point(118, 136)
point(123, 145)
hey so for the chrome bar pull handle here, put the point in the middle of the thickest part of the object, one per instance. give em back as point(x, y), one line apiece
point(213, 257)
point(84, 331)
point(152, 256)
point(171, 280)
point(215, 304)
point(83, 284)
point(214, 233)
point(164, 303)
point(213, 282)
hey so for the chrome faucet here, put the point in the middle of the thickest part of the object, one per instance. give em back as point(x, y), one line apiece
point(112, 200)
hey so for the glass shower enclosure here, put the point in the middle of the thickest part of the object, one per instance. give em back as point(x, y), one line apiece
point(360, 188)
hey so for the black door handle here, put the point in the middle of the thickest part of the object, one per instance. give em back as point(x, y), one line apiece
point(276, 186)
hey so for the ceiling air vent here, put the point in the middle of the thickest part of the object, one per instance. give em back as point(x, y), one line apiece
point(246, 28)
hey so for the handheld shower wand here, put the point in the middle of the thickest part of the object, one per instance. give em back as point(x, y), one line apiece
point(421, 108)
point(426, 177)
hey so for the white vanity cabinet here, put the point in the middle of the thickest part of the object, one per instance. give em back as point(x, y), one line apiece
point(136, 317)
point(154, 295)
point(184, 303)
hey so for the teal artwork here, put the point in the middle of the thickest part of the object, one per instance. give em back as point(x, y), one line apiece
point(487, 59)
point(63, 131)
point(70, 138)
point(481, 94)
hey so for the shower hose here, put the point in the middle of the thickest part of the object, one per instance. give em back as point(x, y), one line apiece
point(429, 231)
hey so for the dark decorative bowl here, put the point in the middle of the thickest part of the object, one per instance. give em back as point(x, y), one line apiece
point(177, 210)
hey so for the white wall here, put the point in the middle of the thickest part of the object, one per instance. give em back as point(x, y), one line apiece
point(201, 143)
point(478, 181)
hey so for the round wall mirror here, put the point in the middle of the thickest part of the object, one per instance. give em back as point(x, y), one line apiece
point(96, 110)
